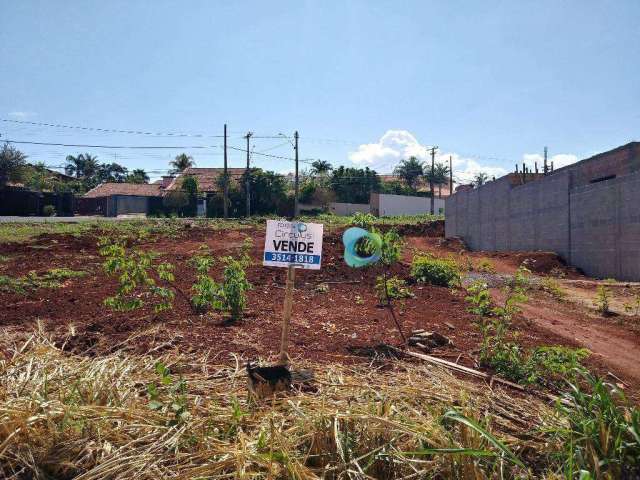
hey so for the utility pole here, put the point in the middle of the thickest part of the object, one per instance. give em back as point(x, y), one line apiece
point(225, 198)
point(296, 188)
point(546, 167)
point(450, 176)
point(433, 169)
point(247, 182)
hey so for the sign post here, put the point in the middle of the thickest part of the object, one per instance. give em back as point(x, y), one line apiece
point(291, 245)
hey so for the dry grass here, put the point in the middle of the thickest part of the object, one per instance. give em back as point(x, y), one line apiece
point(67, 416)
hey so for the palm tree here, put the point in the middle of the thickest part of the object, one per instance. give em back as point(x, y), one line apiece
point(320, 167)
point(410, 171)
point(84, 165)
point(137, 176)
point(440, 176)
point(480, 179)
point(181, 163)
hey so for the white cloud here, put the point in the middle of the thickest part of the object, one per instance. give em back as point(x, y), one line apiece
point(22, 115)
point(396, 145)
point(559, 160)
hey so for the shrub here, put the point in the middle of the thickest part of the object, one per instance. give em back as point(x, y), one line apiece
point(633, 307)
point(394, 288)
point(33, 281)
point(485, 266)
point(133, 269)
point(552, 287)
point(363, 220)
point(48, 210)
point(603, 298)
point(436, 271)
point(232, 296)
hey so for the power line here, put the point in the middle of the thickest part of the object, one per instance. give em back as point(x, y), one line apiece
point(141, 147)
point(110, 130)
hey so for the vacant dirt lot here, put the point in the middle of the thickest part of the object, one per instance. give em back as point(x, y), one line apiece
point(328, 325)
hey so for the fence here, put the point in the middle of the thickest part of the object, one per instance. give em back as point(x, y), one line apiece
point(17, 201)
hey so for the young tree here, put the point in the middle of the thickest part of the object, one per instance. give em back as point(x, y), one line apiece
point(12, 164)
point(137, 176)
point(181, 163)
point(410, 171)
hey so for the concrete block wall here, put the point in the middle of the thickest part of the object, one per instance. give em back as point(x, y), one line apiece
point(605, 228)
point(592, 223)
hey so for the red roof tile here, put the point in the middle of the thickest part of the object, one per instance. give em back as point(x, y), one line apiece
point(108, 189)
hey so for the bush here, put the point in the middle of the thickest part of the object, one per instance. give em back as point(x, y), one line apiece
point(396, 288)
point(603, 298)
point(479, 298)
point(363, 220)
point(205, 289)
point(485, 266)
point(552, 287)
point(133, 270)
point(48, 210)
point(436, 271)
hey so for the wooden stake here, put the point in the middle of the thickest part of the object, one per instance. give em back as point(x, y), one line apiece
point(286, 315)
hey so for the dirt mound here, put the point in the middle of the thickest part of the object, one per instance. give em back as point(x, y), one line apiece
point(428, 229)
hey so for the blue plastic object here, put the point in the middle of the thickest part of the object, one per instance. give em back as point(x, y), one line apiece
point(351, 237)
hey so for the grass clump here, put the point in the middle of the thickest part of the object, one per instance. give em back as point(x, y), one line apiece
point(436, 271)
point(602, 435)
point(53, 278)
point(633, 307)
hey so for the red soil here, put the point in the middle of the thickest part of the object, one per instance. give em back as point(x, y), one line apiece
point(325, 326)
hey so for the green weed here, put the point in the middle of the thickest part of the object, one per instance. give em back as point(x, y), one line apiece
point(485, 266)
point(603, 298)
point(552, 287)
point(53, 278)
point(394, 288)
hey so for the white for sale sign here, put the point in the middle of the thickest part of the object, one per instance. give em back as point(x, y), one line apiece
point(293, 243)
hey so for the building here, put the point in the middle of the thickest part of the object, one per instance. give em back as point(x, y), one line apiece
point(113, 199)
point(587, 212)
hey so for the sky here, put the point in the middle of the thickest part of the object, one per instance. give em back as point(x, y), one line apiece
point(365, 82)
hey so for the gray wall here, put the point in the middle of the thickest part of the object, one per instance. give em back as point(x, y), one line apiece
point(594, 226)
point(386, 205)
point(338, 208)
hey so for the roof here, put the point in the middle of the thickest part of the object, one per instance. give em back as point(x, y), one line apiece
point(134, 189)
point(207, 177)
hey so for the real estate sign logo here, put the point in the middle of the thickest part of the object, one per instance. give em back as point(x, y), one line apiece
point(296, 244)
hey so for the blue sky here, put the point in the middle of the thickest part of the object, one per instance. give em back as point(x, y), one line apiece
point(365, 82)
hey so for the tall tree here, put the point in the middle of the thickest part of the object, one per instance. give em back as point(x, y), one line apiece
point(354, 185)
point(320, 167)
point(181, 163)
point(12, 164)
point(110, 172)
point(410, 171)
point(137, 176)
